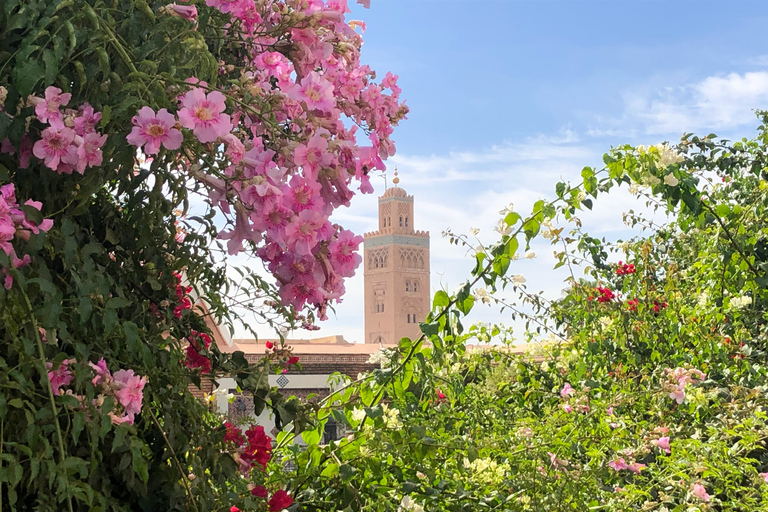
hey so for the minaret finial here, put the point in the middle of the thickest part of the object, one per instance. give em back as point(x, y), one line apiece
point(395, 180)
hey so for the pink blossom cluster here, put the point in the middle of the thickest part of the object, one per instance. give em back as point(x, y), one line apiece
point(580, 402)
point(677, 379)
point(125, 386)
point(69, 143)
point(285, 139)
point(662, 441)
point(15, 224)
point(701, 493)
point(620, 464)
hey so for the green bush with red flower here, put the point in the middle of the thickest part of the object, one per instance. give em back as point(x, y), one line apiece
point(645, 386)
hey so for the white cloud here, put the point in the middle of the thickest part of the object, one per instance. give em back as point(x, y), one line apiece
point(466, 189)
point(714, 104)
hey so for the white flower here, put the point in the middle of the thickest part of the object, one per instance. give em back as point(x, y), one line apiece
point(634, 188)
point(670, 180)
point(377, 357)
point(482, 295)
point(518, 279)
point(668, 156)
point(508, 209)
point(640, 149)
point(409, 505)
point(358, 414)
point(391, 417)
point(581, 196)
point(502, 228)
point(474, 231)
point(530, 255)
point(740, 302)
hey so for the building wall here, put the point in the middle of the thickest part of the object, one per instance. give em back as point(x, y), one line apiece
point(396, 272)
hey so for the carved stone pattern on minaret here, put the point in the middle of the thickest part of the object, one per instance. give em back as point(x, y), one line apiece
point(386, 212)
point(378, 258)
point(411, 258)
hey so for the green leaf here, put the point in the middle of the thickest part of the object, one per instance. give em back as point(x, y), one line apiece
point(330, 471)
point(441, 300)
point(311, 437)
point(78, 423)
point(27, 75)
point(51, 66)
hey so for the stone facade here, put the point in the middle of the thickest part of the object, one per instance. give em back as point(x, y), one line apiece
point(396, 272)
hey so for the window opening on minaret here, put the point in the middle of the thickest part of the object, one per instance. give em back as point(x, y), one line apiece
point(407, 285)
point(401, 222)
point(415, 286)
point(406, 221)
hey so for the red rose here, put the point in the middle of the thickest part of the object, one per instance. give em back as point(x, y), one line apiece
point(260, 491)
point(279, 501)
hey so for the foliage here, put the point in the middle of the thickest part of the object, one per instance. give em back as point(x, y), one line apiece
point(646, 391)
point(135, 136)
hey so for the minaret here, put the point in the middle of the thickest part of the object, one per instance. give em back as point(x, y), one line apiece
point(396, 259)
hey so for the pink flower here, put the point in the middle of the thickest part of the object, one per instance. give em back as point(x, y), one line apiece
point(89, 152)
point(618, 464)
point(302, 231)
point(556, 463)
point(235, 148)
point(59, 377)
point(47, 111)
point(343, 253)
point(117, 420)
point(567, 390)
point(315, 91)
point(86, 122)
point(151, 130)
point(678, 393)
point(765, 476)
point(187, 12)
point(700, 492)
point(203, 115)
point(636, 467)
point(303, 194)
point(567, 408)
point(609, 411)
point(224, 5)
point(130, 393)
point(312, 156)
point(103, 375)
point(56, 148)
point(663, 444)
point(365, 3)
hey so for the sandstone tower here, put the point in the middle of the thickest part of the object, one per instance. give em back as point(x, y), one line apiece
point(396, 259)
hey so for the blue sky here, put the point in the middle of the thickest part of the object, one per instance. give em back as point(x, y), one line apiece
point(507, 97)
